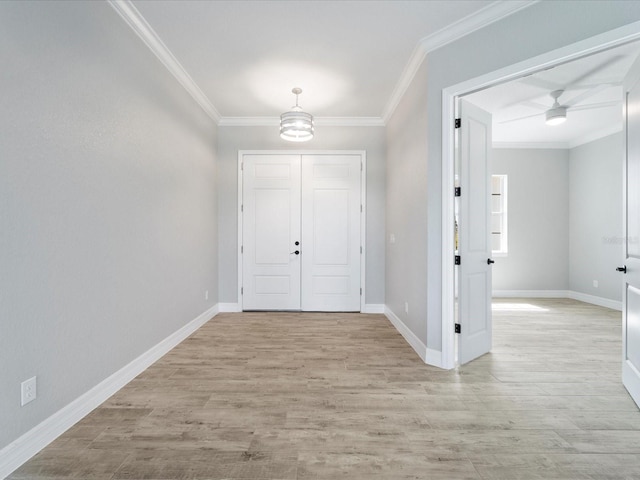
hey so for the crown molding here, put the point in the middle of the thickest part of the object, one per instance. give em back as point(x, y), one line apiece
point(139, 25)
point(490, 14)
point(318, 121)
point(486, 16)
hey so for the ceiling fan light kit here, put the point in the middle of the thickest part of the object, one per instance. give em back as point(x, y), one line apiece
point(296, 125)
point(556, 114)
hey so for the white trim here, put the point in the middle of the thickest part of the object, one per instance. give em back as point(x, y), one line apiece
point(229, 307)
point(373, 308)
point(581, 297)
point(433, 358)
point(363, 228)
point(598, 43)
point(427, 355)
point(19, 451)
point(318, 121)
point(449, 290)
point(411, 338)
point(600, 301)
point(483, 17)
point(363, 218)
point(130, 14)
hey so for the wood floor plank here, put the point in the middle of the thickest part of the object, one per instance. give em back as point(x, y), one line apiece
point(292, 396)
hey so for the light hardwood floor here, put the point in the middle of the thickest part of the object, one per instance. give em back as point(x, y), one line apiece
point(342, 396)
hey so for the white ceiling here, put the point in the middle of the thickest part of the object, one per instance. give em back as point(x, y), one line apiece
point(349, 57)
point(354, 58)
point(593, 83)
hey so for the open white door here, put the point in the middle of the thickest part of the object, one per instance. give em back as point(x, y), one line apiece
point(331, 243)
point(631, 212)
point(474, 274)
point(271, 228)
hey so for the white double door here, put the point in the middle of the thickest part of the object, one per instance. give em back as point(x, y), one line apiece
point(301, 238)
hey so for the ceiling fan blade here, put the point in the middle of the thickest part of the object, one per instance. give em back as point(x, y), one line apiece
point(520, 118)
point(608, 62)
point(584, 95)
point(538, 82)
point(537, 105)
point(594, 106)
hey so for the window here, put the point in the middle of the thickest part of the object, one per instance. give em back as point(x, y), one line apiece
point(499, 215)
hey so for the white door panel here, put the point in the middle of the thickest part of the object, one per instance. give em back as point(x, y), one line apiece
point(271, 226)
point(631, 212)
point(474, 233)
point(313, 200)
point(331, 232)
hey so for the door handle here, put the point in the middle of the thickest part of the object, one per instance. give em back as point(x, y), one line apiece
point(489, 261)
point(297, 252)
point(622, 269)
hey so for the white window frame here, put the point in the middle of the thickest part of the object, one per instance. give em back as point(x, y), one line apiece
point(503, 230)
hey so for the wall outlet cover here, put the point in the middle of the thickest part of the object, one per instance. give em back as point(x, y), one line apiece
point(28, 391)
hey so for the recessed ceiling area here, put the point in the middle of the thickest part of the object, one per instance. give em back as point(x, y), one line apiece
point(591, 90)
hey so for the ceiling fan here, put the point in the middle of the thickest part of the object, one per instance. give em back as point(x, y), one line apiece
point(556, 114)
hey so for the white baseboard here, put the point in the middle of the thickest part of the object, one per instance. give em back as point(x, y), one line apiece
point(229, 307)
point(429, 356)
point(582, 297)
point(19, 451)
point(592, 299)
point(433, 358)
point(373, 308)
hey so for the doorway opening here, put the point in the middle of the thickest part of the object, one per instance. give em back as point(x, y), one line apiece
point(580, 50)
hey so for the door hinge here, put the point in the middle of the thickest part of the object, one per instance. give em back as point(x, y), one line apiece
point(360, 290)
point(241, 248)
point(457, 328)
point(360, 250)
point(242, 208)
point(241, 165)
point(456, 260)
point(457, 191)
point(360, 208)
point(457, 123)
point(361, 166)
point(241, 290)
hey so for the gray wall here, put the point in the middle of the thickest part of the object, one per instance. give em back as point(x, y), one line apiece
point(407, 201)
point(595, 248)
point(540, 28)
point(538, 219)
point(233, 139)
point(107, 204)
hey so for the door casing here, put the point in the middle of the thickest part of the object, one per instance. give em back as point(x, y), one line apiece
point(363, 200)
point(590, 46)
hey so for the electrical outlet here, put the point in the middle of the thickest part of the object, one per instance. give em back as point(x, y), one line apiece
point(206, 294)
point(595, 283)
point(406, 307)
point(28, 391)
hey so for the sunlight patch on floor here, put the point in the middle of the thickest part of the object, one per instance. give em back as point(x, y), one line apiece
point(517, 307)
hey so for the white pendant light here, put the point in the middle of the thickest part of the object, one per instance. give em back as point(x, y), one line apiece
point(556, 114)
point(296, 125)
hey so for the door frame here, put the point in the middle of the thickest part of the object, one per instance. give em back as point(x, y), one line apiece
point(598, 43)
point(363, 216)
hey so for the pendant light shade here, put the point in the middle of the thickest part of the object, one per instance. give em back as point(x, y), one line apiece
point(296, 125)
